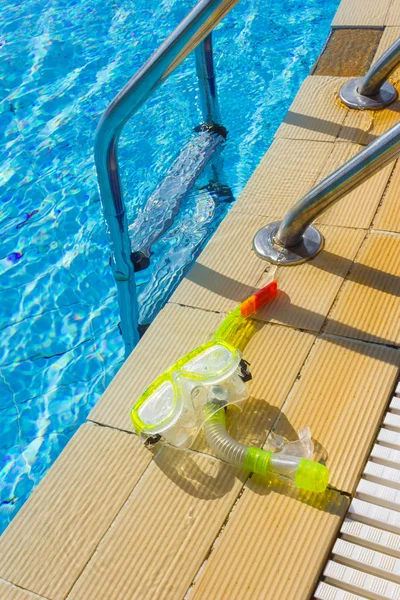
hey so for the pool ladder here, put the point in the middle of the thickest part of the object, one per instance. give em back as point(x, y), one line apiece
point(193, 33)
point(291, 241)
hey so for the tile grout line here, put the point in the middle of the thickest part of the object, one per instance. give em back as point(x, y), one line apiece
point(317, 334)
point(20, 587)
point(395, 163)
point(344, 281)
point(388, 12)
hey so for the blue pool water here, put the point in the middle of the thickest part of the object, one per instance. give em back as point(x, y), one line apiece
point(62, 62)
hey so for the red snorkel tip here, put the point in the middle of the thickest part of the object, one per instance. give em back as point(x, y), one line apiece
point(259, 299)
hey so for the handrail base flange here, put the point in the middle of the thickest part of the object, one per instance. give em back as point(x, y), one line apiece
point(265, 246)
point(350, 96)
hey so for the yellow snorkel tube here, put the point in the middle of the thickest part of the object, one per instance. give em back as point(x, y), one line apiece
point(195, 391)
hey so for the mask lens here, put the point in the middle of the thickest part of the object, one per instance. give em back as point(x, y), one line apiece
point(159, 406)
point(214, 361)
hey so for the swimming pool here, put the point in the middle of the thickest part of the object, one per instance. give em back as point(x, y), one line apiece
point(63, 61)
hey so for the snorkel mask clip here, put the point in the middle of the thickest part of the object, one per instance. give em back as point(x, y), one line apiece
point(152, 440)
point(245, 374)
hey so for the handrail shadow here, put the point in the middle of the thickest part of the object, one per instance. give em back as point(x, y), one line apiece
point(342, 131)
point(289, 314)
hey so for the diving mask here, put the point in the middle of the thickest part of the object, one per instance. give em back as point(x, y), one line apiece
point(194, 392)
point(176, 405)
point(173, 407)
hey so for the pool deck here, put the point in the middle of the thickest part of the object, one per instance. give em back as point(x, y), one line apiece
point(113, 520)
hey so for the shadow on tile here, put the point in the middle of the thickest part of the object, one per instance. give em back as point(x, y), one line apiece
point(186, 472)
point(288, 312)
point(324, 126)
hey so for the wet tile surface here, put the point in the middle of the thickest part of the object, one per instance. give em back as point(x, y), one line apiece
point(348, 53)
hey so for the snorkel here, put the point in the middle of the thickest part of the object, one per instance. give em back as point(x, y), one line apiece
point(195, 392)
point(303, 472)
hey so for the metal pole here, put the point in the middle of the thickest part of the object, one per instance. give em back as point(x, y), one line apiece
point(293, 240)
point(189, 34)
point(373, 91)
point(211, 112)
point(207, 82)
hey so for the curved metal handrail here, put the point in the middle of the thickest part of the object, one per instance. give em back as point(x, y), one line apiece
point(293, 240)
point(373, 91)
point(185, 38)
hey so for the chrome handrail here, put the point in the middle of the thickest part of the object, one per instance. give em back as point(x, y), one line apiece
point(293, 240)
point(185, 38)
point(373, 91)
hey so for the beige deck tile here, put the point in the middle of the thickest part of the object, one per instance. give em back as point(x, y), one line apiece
point(363, 126)
point(276, 355)
point(386, 118)
point(227, 270)
point(388, 215)
point(175, 331)
point(361, 13)
point(307, 291)
point(356, 209)
point(165, 530)
point(11, 592)
point(342, 393)
point(358, 127)
point(368, 306)
point(47, 545)
point(315, 114)
point(272, 190)
point(393, 16)
point(274, 546)
point(389, 36)
point(318, 114)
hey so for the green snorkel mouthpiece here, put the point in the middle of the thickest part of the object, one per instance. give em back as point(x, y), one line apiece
point(304, 473)
point(194, 392)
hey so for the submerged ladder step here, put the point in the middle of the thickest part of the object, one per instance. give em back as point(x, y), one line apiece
point(163, 205)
